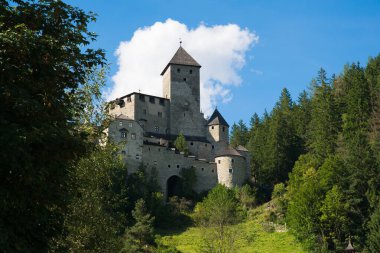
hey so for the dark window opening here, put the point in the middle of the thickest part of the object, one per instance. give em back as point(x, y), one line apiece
point(191, 143)
point(123, 152)
point(230, 170)
point(129, 99)
point(184, 114)
point(205, 145)
point(159, 150)
point(177, 166)
point(212, 171)
point(162, 101)
point(178, 70)
point(212, 127)
point(168, 165)
point(184, 79)
point(142, 97)
point(123, 134)
point(191, 71)
point(160, 114)
point(232, 160)
point(144, 111)
point(151, 99)
point(212, 146)
point(219, 161)
point(203, 169)
point(224, 129)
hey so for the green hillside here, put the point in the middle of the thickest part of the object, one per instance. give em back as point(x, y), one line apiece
point(255, 237)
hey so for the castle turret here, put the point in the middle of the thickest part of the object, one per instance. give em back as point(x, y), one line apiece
point(181, 85)
point(218, 128)
point(231, 168)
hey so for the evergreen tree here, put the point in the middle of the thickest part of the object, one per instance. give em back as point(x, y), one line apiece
point(140, 237)
point(324, 122)
point(373, 241)
point(239, 134)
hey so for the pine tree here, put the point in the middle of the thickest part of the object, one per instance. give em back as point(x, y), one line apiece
point(239, 134)
point(140, 237)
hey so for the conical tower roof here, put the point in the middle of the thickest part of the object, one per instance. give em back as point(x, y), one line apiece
point(181, 57)
point(217, 119)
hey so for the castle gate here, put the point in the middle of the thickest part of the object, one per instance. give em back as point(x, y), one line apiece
point(173, 186)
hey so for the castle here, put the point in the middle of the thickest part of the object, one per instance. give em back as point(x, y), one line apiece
point(149, 125)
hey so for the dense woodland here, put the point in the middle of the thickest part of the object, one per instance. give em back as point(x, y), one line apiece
point(325, 148)
point(315, 159)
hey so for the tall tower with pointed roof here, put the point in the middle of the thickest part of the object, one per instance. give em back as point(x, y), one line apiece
point(181, 85)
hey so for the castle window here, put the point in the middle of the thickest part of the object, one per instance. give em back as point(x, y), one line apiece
point(144, 111)
point(184, 115)
point(142, 97)
point(133, 136)
point(120, 123)
point(191, 143)
point(123, 152)
point(205, 145)
point(160, 114)
point(191, 71)
point(178, 70)
point(203, 169)
point(177, 166)
point(212, 146)
point(149, 149)
point(219, 161)
point(130, 125)
point(224, 129)
point(129, 99)
point(184, 79)
point(156, 129)
point(151, 99)
point(123, 134)
point(162, 101)
point(168, 165)
point(137, 157)
point(212, 171)
point(230, 170)
point(232, 160)
point(212, 127)
point(159, 150)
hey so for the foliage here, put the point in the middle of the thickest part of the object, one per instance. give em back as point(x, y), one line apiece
point(188, 180)
point(140, 237)
point(239, 134)
point(214, 214)
point(252, 237)
point(44, 57)
point(96, 215)
point(181, 144)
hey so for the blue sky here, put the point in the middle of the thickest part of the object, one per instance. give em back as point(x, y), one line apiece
point(296, 38)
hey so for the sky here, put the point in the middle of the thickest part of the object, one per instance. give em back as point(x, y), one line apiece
point(249, 50)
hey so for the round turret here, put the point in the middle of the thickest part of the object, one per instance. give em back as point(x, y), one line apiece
point(231, 168)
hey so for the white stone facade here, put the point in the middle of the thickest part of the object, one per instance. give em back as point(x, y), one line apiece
point(148, 125)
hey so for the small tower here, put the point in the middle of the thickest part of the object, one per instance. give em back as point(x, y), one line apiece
point(218, 128)
point(181, 84)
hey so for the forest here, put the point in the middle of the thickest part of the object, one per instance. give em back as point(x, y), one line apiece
point(314, 160)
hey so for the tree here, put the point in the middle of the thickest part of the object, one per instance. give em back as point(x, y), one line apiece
point(239, 134)
point(96, 216)
point(215, 214)
point(44, 57)
point(181, 144)
point(374, 231)
point(140, 237)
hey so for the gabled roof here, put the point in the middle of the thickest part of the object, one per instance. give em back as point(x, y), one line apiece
point(122, 116)
point(181, 57)
point(217, 119)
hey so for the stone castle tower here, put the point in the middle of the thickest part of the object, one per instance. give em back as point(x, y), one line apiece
point(150, 124)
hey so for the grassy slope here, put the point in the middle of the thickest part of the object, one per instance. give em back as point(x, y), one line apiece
point(255, 238)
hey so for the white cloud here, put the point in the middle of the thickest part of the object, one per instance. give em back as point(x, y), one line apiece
point(220, 49)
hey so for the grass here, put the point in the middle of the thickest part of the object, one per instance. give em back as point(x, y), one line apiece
point(253, 237)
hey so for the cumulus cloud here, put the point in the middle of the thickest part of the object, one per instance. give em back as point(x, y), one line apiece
point(220, 49)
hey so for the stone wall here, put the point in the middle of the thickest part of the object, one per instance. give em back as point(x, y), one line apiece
point(169, 163)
